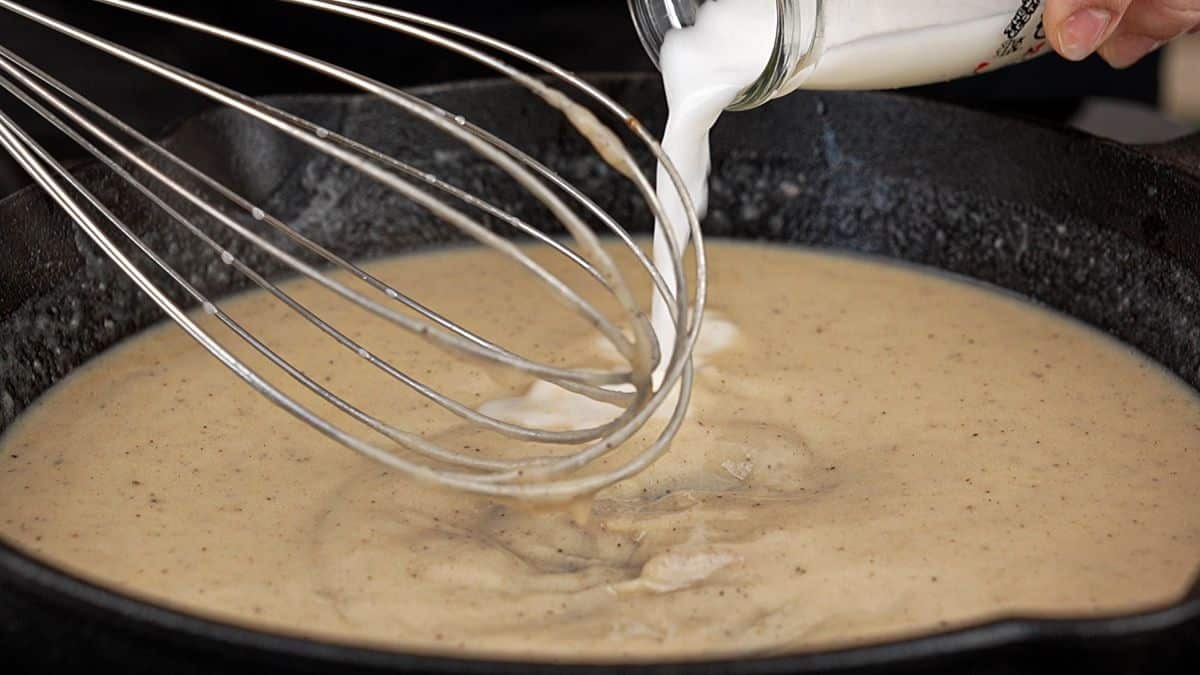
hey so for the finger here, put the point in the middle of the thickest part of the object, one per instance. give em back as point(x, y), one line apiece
point(1076, 28)
point(1146, 26)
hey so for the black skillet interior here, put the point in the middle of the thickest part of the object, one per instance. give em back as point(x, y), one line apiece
point(1100, 231)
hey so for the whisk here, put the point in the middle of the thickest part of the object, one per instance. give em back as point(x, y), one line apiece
point(548, 475)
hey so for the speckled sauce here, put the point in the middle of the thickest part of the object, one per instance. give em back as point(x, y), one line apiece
point(881, 452)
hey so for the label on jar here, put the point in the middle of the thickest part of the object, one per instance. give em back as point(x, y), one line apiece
point(1024, 37)
point(866, 44)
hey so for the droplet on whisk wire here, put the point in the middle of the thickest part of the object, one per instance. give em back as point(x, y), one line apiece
point(460, 120)
point(391, 293)
point(322, 133)
point(210, 309)
point(430, 178)
point(258, 213)
point(227, 257)
point(364, 353)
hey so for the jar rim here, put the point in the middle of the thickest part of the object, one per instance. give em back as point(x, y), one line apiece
point(787, 55)
point(653, 19)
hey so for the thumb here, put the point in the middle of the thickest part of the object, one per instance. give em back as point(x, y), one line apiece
point(1076, 28)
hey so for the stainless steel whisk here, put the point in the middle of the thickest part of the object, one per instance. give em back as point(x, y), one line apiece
point(548, 477)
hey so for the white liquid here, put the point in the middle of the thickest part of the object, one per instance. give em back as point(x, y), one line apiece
point(865, 44)
point(705, 67)
point(548, 406)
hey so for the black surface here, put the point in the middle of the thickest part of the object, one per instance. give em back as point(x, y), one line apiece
point(582, 35)
point(1103, 232)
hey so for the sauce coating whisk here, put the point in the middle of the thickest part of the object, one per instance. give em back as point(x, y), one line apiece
point(548, 477)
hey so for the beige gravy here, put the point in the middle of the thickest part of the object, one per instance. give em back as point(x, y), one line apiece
point(879, 452)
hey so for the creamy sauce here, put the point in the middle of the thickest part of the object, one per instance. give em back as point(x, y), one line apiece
point(886, 452)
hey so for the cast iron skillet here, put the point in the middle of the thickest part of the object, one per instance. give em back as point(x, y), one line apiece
point(1103, 232)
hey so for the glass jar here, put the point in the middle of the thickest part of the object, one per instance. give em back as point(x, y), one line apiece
point(869, 44)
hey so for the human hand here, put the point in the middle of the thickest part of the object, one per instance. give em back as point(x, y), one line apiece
point(1122, 30)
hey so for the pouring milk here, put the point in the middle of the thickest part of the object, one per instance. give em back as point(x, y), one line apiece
point(718, 54)
point(742, 53)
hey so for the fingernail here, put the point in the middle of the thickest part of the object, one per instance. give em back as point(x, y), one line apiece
point(1123, 51)
point(1083, 32)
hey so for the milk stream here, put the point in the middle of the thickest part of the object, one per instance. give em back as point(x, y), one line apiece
point(704, 68)
point(865, 44)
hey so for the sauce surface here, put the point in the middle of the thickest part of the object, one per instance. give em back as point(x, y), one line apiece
point(877, 453)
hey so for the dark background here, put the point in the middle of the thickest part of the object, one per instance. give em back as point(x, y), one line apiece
point(583, 35)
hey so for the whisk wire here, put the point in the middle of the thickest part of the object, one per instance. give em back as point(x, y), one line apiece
point(595, 392)
point(548, 478)
point(385, 16)
point(513, 431)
